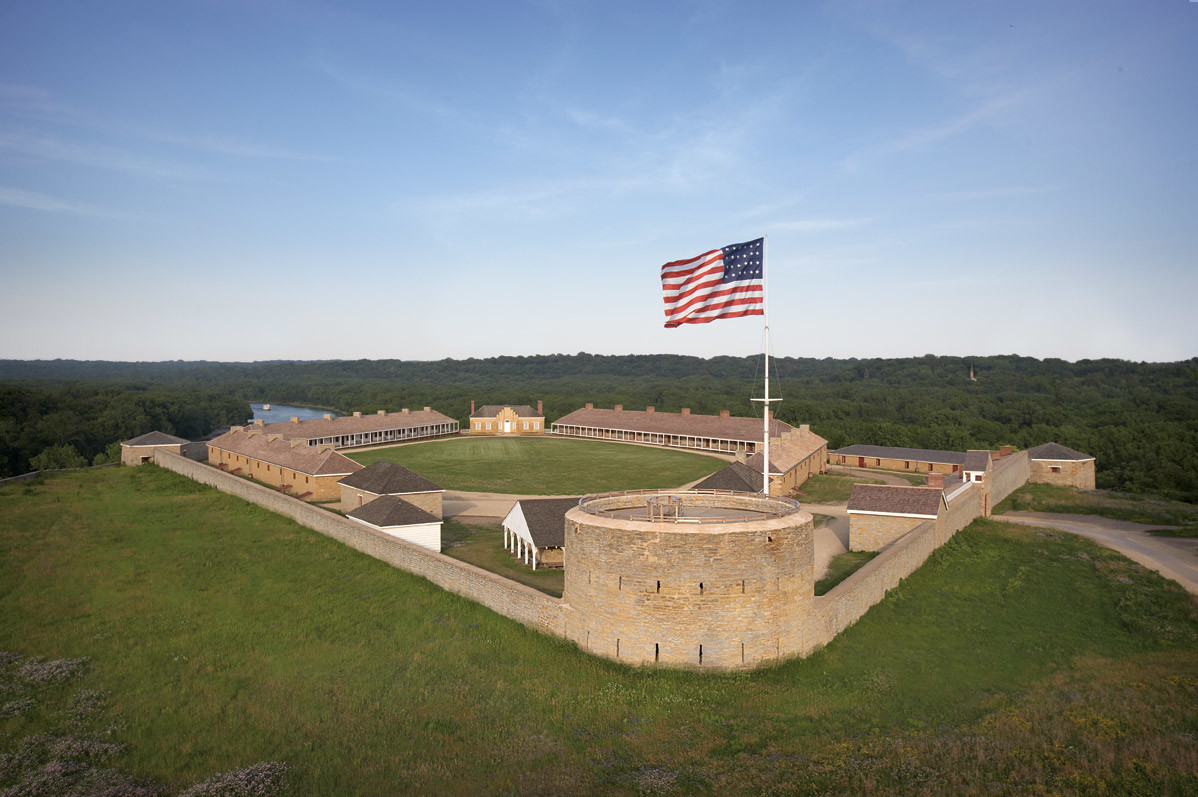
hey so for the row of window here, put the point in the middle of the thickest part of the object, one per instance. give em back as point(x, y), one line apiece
point(258, 465)
point(478, 425)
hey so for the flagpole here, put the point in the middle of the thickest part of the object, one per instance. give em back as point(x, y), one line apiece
point(765, 311)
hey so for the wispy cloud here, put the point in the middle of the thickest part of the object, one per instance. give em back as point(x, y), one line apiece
point(31, 200)
point(96, 156)
point(990, 111)
point(32, 102)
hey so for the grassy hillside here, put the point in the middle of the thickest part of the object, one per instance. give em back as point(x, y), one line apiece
point(545, 465)
point(1016, 660)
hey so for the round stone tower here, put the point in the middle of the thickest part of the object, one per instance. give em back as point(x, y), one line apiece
point(689, 578)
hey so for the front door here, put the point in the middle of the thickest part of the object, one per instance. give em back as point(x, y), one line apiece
point(860, 462)
point(507, 427)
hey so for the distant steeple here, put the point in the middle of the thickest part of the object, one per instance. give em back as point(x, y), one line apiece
point(972, 378)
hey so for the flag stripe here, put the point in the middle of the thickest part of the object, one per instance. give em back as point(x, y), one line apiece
point(722, 283)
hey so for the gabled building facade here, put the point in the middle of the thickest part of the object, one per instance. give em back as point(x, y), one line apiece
point(507, 419)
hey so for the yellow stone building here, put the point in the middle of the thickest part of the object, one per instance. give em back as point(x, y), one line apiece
point(507, 419)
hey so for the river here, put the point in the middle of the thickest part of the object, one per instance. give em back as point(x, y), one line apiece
point(285, 412)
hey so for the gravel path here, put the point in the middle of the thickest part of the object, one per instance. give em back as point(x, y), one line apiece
point(1172, 557)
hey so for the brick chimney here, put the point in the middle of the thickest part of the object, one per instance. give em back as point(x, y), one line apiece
point(804, 428)
point(270, 438)
point(253, 432)
point(936, 480)
point(428, 409)
point(650, 409)
point(259, 422)
point(471, 406)
point(294, 419)
point(356, 415)
point(382, 412)
point(590, 406)
point(725, 413)
point(540, 408)
point(298, 441)
point(619, 408)
point(686, 410)
point(1004, 451)
point(328, 416)
point(405, 411)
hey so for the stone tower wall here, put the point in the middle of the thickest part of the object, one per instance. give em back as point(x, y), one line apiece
point(735, 594)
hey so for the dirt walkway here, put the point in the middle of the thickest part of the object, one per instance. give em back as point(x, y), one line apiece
point(1172, 557)
point(882, 476)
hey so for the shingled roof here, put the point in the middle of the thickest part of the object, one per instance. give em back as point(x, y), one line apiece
point(738, 476)
point(348, 424)
point(389, 511)
point(917, 501)
point(302, 458)
point(1057, 451)
point(155, 439)
point(976, 461)
point(675, 423)
point(390, 478)
point(789, 450)
point(546, 519)
point(895, 452)
point(491, 410)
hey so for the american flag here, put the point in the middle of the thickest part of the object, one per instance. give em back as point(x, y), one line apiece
point(722, 283)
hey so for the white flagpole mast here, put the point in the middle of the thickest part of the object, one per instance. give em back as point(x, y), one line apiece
point(765, 308)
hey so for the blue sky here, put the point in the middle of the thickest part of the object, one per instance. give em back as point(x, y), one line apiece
point(259, 180)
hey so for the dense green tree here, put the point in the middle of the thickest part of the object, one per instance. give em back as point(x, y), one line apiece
point(56, 457)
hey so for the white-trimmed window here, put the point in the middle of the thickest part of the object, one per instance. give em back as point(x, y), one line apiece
point(488, 426)
point(478, 425)
point(536, 425)
point(526, 426)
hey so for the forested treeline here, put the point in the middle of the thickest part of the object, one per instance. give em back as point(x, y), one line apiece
point(1139, 419)
point(47, 424)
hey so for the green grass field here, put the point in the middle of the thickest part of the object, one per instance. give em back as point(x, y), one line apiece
point(831, 488)
point(1015, 661)
point(482, 546)
point(545, 465)
point(1120, 506)
point(841, 567)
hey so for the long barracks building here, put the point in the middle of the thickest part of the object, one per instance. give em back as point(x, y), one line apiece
point(679, 429)
point(364, 430)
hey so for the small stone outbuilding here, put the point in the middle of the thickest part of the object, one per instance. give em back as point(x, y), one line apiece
point(534, 531)
point(1053, 463)
point(393, 515)
point(390, 478)
point(879, 513)
point(140, 450)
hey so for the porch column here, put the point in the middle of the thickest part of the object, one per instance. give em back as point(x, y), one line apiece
point(534, 558)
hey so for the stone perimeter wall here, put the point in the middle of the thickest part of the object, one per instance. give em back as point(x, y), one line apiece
point(810, 629)
point(853, 597)
point(514, 601)
point(1008, 474)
